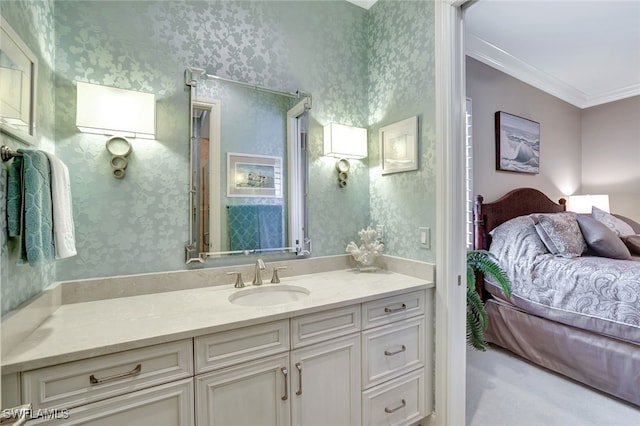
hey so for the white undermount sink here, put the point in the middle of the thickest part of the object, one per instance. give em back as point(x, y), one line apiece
point(269, 294)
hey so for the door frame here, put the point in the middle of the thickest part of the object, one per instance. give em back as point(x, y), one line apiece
point(450, 354)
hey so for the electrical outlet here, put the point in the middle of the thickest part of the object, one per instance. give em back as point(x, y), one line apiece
point(380, 231)
point(425, 237)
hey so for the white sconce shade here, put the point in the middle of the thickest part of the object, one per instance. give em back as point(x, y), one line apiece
point(343, 141)
point(583, 203)
point(110, 111)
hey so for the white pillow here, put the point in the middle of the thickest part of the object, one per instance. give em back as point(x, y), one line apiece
point(619, 226)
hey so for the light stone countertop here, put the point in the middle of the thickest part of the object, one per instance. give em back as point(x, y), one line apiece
point(82, 330)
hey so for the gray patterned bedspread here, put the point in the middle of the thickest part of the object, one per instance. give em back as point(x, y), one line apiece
point(593, 293)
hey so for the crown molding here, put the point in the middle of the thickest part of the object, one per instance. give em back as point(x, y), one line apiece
point(613, 95)
point(502, 60)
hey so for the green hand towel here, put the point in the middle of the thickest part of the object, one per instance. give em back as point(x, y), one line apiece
point(14, 198)
point(29, 207)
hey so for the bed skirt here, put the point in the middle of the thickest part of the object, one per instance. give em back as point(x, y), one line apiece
point(604, 363)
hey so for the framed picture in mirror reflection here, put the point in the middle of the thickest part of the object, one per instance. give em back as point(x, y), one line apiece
point(250, 175)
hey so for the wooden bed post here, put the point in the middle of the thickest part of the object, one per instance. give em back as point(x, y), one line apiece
point(479, 240)
point(478, 224)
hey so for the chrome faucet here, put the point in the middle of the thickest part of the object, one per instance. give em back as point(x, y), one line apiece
point(257, 277)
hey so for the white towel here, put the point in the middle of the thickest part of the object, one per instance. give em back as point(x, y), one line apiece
point(63, 230)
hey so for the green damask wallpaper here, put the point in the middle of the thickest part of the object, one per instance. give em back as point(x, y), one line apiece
point(140, 224)
point(34, 24)
point(401, 48)
point(364, 68)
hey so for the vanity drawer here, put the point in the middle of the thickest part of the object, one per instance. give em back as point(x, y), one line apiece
point(392, 350)
point(82, 382)
point(399, 401)
point(170, 404)
point(391, 309)
point(314, 328)
point(231, 347)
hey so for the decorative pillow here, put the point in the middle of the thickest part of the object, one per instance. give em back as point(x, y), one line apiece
point(601, 239)
point(633, 243)
point(620, 227)
point(632, 223)
point(560, 233)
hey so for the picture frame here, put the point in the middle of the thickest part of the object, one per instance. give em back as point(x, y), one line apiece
point(250, 175)
point(399, 146)
point(18, 78)
point(517, 144)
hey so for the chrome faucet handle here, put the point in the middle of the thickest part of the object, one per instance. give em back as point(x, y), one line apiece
point(257, 277)
point(239, 283)
point(275, 279)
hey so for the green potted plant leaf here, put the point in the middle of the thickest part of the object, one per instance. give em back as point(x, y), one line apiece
point(484, 262)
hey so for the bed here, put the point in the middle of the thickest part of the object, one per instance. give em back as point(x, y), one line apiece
point(573, 310)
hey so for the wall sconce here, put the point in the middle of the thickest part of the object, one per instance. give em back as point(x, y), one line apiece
point(119, 113)
point(583, 203)
point(344, 142)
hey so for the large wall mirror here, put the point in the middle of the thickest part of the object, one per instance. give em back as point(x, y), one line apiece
point(18, 75)
point(248, 169)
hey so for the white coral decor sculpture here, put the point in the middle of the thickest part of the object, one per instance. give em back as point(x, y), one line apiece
point(366, 254)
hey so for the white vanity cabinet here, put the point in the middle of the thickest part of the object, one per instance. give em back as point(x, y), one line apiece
point(242, 376)
point(325, 368)
point(396, 359)
point(313, 381)
point(364, 364)
point(251, 393)
point(334, 363)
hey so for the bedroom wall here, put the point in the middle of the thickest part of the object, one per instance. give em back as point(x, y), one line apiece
point(611, 154)
point(560, 132)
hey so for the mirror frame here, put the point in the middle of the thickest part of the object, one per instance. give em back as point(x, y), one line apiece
point(297, 163)
point(10, 39)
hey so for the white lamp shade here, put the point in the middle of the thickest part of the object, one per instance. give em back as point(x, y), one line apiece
point(110, 111)
point(583, 203)
point(342, 141)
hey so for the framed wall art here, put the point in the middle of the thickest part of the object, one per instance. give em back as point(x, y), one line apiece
point(399, 146)
point(517, 144)
point(251, 175)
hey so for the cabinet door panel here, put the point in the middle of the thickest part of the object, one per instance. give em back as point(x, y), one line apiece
point(325, 383)
point(247, 394)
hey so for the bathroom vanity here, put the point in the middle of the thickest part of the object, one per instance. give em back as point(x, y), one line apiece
point(348, 349)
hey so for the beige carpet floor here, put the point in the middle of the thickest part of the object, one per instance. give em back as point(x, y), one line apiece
point(504, 390)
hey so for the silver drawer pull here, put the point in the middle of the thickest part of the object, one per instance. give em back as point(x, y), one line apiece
point(393, 410)
point(402, 349)
point(299, 367)
point(286, 385)
point(392, 310)
point(94, 380)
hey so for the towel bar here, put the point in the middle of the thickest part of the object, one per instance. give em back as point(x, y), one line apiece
point(7, 154)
